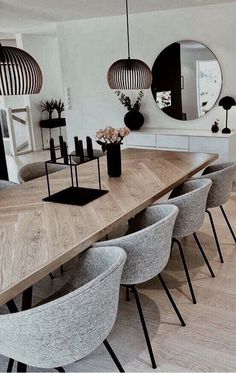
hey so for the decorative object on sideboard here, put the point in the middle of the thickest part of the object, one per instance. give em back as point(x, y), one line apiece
point(133, 119)
point(74, 195)
point(129, 73)
point(227, 102)
point(215, 126)
point(111, 139)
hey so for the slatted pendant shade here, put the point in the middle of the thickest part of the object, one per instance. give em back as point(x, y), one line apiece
point(129, 73)
point(20, 74)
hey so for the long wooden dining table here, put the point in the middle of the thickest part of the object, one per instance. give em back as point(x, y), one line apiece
point(37, 237)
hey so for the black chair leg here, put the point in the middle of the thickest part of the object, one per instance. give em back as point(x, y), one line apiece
point(60, 369)
point(62, 269)
point(10, 365)
point(203, 254)
point(186, 270)
point(228, 223)
point(215, 236)
point(144, 326)
point(51, 276)
point(113, 356)
point(171, 300)
point(21, 367)
point(127, 297)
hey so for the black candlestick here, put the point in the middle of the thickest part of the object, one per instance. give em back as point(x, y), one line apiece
point(52, 150)
point(65, 153)
point(81, 151)
point(61, 145)
point(89, 147)
point(76, 141)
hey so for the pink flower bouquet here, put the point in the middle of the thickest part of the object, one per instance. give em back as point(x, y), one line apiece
point(110, 135)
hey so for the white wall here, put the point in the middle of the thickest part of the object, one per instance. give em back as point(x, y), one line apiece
point(44, 48)
point(88, 47)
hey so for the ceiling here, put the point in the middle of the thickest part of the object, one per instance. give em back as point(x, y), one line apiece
point(18, 16)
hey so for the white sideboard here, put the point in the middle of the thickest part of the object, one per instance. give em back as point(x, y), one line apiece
point(185, 141)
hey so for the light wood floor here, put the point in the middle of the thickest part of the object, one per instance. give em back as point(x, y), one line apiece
point(206, 344)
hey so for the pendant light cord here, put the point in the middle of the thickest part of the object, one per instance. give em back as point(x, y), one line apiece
point(127, 24)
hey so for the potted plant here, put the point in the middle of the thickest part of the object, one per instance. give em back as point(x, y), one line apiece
point(59, 107)
point(133, 119)
point(50, 106)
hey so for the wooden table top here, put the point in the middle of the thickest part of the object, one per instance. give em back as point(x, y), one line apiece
point(37, 237)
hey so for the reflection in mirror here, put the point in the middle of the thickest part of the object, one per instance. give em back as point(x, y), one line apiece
point(187, 80)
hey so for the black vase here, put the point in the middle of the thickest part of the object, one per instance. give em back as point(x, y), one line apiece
point(214, 128)
point(113, 160)
point(134, 119)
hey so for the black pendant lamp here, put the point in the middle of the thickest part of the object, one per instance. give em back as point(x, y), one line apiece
point(129, 73)
point(20, 74)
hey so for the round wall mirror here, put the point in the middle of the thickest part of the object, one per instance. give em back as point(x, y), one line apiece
point(187, 80)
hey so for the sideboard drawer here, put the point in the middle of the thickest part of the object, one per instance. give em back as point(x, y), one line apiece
point(141, 139)
point(172, 141)
point(210, 145)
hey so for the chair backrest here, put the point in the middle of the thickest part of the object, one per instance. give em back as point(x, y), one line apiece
point(5, 184)
point(148, 248)
point(37, 169)
point(190, 197)
point(222, 176)
point(69, 328)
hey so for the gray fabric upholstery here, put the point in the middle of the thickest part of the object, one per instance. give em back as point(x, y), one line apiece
point(222, 176)
point(148, 249)
point(69, 328)
point(190, 197)
point(5, 184)
point(37, 169)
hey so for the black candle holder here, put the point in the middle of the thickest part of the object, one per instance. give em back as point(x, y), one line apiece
point(74, 195)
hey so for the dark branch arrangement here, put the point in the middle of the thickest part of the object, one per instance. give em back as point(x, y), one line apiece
point(126, 102)
point(51, 105)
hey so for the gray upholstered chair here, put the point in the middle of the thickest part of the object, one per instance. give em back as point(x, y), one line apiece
point(222, 176)
point(148, 252)
point(34, 170)
point(5, 184)
point(191, 198)
point(70, 327)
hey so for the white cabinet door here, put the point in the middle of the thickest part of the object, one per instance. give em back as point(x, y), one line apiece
point(210, 145)
point(172, 142)
point(141, 139)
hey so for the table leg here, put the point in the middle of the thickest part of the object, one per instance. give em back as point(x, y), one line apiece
point(27, 299)
point(12, 306)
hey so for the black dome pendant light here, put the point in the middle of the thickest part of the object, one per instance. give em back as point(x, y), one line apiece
point(20, 74)
point(129, 73)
